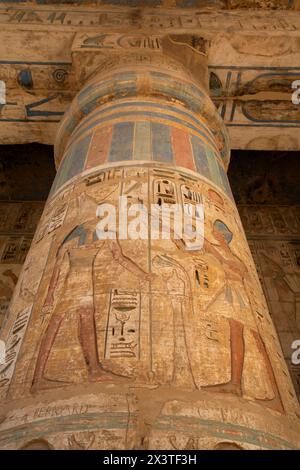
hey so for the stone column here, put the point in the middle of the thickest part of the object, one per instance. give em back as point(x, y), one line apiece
point(144, 343)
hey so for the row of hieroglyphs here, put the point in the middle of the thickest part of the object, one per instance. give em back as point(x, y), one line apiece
point(152, 20)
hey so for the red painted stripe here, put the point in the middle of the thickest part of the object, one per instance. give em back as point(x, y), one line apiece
point(99, 147)
point(182, 149)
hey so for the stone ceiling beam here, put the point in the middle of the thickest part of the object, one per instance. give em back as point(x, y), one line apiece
point(253, 58)
point(119, 19)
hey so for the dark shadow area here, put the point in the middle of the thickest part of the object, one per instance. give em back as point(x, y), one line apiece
point(265, 177)
point(26, 172)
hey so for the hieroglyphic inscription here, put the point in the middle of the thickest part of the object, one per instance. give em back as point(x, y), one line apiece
point(175, 21)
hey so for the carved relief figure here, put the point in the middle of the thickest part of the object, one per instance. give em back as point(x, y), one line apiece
point(235, 292)
point(78, 250)
point(177, 284)
point(284, 280)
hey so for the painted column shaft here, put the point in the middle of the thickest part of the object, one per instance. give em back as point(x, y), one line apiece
point(145, 343)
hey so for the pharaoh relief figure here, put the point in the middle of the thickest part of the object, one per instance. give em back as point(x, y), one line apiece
point(72, 288)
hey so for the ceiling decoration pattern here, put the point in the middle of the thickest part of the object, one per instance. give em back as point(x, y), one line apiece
point(253, 57)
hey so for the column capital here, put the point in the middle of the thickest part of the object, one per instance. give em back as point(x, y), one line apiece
point(113, 67)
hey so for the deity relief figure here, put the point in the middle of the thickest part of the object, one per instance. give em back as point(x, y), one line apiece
point(79, 250)
point(285, 281)
point(177, 289)
point(234, 292)
point(237, 277)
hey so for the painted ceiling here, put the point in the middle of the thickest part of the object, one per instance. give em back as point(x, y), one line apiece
point(253, 50)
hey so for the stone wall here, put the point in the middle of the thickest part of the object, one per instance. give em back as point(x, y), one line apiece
point(26, 173)
point(266, 189)
point(18, 221)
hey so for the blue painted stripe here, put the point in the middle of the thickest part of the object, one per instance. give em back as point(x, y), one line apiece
point(161, 143)
point(225, 181)
point(78, 156)
point(31, 120)
point(169, 84)
point(122, 142)
point(213, 167)
point(72, 164)
point(29, 62)
point(200, 157)
point(61, 177)
point(254, 67)
point(113, 89)
point(291, 125)
point(95, 88)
